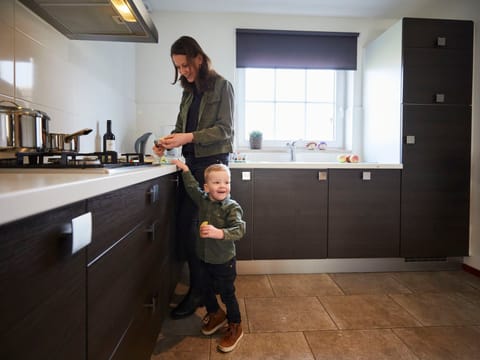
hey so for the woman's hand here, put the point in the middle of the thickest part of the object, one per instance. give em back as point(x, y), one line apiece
point(175, 140)
point(158, 149)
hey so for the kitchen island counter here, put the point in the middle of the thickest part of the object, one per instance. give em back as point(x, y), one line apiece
point(25, 192)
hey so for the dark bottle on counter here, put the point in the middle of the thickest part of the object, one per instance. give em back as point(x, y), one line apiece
point(109, 138)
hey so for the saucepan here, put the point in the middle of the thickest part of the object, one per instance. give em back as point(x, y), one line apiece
point(22, 129)
point(67, 142)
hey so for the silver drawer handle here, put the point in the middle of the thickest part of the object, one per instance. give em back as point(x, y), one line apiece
point(78, 233)
point(366, 175)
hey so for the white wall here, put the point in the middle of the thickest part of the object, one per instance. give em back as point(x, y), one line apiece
point(79, 84)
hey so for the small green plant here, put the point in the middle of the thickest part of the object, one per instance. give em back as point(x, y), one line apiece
point(256, 139)
point(255, 134)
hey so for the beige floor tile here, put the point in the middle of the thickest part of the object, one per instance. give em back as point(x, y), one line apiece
point(368, 283)
point(467, 277)
point(437, 309)
point(367, 312)
point(358, 344)
point(286, 314)
point(182, 347)
point(434, 281)
point(281, 346)
point(303, 285)
point(253, 286)
point(442, 343)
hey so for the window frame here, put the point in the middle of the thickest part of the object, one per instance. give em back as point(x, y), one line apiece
point(341, 86)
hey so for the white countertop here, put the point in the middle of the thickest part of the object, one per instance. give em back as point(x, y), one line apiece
point(310, 165)
point(25, 192)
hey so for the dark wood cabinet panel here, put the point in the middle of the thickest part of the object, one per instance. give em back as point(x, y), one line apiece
point(242, 192)
point(364, 213)
point(428, 73)
point(436, 181)
point(437, 59)
point(42, 288)
point(290, 214)
point(114, 284)
point(131, 282)
point(424, 33)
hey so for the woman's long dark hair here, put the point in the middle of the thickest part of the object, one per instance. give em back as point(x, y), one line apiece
point(189, 47)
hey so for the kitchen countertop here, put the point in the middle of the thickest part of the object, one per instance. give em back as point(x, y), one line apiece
point(311, 165)
point(25, 192)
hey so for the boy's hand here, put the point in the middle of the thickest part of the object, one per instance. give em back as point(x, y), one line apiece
point(180, 164)
point(210, 231)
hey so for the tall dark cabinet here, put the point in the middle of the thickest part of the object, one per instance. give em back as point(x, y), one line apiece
point(437, 60)
point(417, 111)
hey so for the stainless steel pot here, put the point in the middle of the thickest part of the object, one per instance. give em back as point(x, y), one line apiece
point(67, 142)
point(23, 129)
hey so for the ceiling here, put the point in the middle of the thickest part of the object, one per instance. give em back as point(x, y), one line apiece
point(336, 8)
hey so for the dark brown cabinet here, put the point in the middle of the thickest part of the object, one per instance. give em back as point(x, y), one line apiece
point(437, 58)
point(107, 300)
point(42, 288)
point(363, 213)
point(130, 268)
point(242, 192)
point(290, 214)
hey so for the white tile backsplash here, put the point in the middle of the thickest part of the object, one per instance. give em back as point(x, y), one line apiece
point(79, 84)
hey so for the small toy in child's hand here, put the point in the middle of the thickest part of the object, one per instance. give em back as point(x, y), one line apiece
point(204, 223)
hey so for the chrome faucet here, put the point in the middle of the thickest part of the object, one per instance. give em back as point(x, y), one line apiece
point(291, 146)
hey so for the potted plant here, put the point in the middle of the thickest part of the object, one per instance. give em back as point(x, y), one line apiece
point(256, 139)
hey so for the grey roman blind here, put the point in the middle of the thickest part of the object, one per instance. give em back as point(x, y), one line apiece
point(296, 49)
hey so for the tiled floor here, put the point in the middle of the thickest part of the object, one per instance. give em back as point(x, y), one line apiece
point(397, 315)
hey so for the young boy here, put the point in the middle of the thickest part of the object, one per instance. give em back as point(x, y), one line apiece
point(221, 225)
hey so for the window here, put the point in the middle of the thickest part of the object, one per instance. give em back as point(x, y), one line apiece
point(291, 104)
point(292, 85)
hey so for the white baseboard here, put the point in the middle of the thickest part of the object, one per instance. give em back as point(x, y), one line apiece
point(257, 267)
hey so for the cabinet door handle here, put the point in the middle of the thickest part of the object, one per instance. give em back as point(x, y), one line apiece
point(366, 175)
point(322, 176)
point(78, 233)
point(152, 304)
point(441, 41)
point(439, 98)
point(154, 193)
point(152, 230)
point(410, 139)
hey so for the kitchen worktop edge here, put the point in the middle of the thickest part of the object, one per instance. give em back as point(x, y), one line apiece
point(25, 194)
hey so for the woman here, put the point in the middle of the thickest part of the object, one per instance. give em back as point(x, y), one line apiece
point(204, 130)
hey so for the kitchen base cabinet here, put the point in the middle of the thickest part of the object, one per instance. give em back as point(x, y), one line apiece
point(290, 214)
point(130, 273)
point(364, 213)
point(42, 288)
point(242, 192)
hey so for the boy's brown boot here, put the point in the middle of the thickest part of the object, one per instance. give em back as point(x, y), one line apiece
point(213, 321)
point(232, 336)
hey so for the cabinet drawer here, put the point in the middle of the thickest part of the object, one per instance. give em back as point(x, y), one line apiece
point(437, 76)
point(431, 33)
point(116, 213)
point(115, 283)
point(42, 288)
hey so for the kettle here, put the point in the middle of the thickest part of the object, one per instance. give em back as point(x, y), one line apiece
point(141, 142)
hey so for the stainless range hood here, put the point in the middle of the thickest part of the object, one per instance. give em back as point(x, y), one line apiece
point(96, 19)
